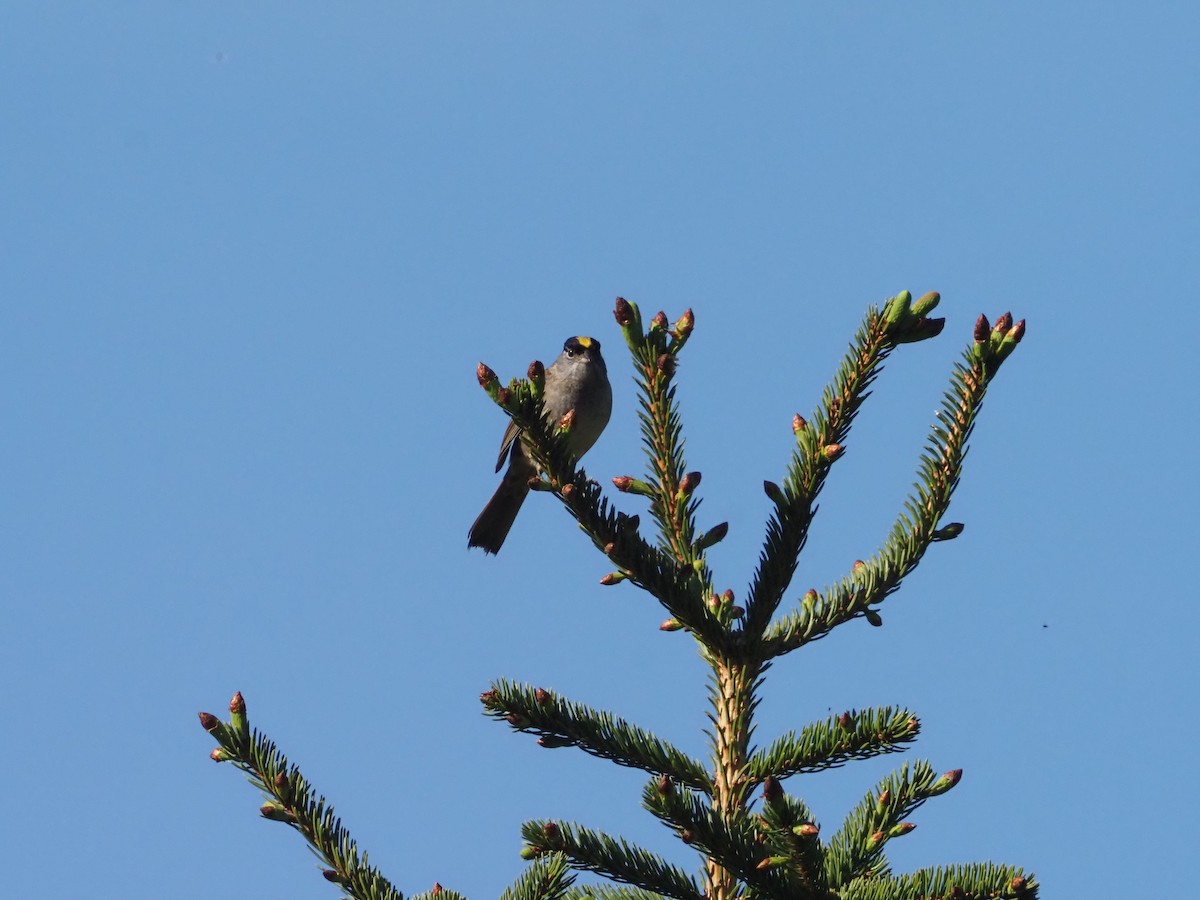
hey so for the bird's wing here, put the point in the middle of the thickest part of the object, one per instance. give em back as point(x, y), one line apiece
point(511, 433)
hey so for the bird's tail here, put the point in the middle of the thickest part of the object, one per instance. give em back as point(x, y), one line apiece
point(493, 524)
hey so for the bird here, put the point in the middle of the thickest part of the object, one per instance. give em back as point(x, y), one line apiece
point(577, 380)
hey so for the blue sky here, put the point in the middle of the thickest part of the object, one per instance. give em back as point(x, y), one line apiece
point(251, 257)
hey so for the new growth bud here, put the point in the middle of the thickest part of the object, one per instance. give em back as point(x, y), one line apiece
point(926, 304)
point(237, 715)
point(945, 783)
point(487, 378)
point(277, 813)
point(714, 535)
point(832, 451)
point(948, 532)
point(209, 722)
point(689, 483)
point(659, 322)
point(567, 422)
point(775, 493)
point(671, 625)
point(982, 329)
point(798, 423)
point(772, 789)
point(624, 312)
point(537, 377)
point(613, 578)
point(684, 326)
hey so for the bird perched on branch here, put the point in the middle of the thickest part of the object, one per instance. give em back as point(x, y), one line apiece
point(577, 380)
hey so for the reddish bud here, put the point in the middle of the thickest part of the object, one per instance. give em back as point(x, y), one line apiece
point(237, 705)
point(670, 625)
point(832, 451)
point(946, 782)
point(685, 324)
point(1003, 323)
point(613, 578)
point(884, 798)
point(623, 312)
point(552, 830)
point(209, 721)
point(727, 595)
point(807, 830)
point(845, 721)
point(659, 322)
point(437, 889)
point(567, 421)
point(219, 754)
point(982, 329)
point(485, 375)
point(567, 490)
point(609, 548)
point(542, 696)
point(665, 364)
point(689, 483)
point(902, 829)
point(877, 838)
point(798, 423)
point(859, 564)
point(276, 813)
point(772, 789)
point(537, 371)
point(665, 787)
point(623, 482)
point(488, 697)
point(1017, 332)
point(1018, 883)
point(503, 396)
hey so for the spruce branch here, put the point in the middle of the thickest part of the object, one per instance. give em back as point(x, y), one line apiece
point(986, 881)
point(437, 892)
point(792, 834)
point(731, 839)
point(655, 358)
point(681, 587)
point(821, 441)
point(831, 743)
point(546, 878)
point(290, 800)
point(563, 723)
point(611, 857)
point(856, 851)
point(610, 892)
point(939, 471)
